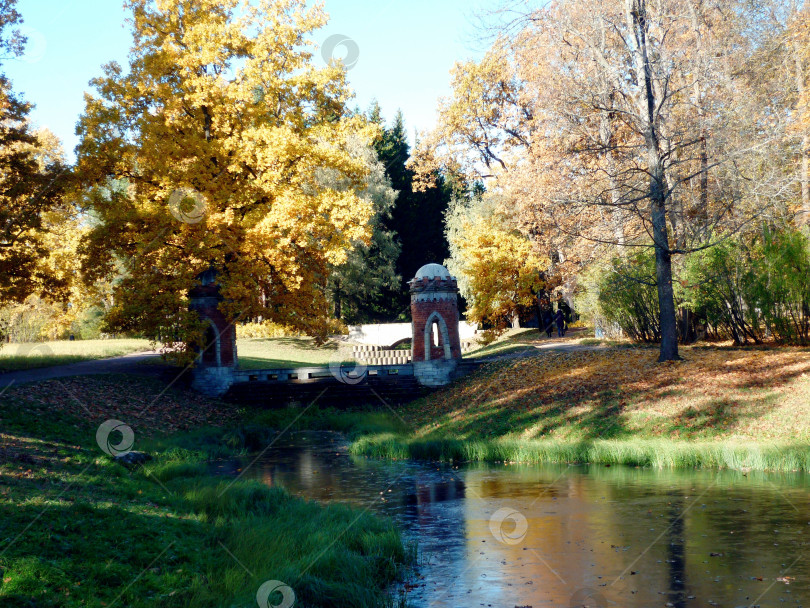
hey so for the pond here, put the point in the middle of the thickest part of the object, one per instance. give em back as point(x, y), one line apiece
point(506, 535)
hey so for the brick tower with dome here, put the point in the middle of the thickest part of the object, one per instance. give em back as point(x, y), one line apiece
point(436, 346)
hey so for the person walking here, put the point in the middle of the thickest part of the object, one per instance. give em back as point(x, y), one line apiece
point(548, 322)
point(560, 320)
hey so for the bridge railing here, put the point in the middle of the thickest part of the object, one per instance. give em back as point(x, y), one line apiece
point(309, 374)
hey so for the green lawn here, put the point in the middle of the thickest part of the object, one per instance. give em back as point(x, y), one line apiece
point(45, 354)
point(80, 530)
point(269, 353)
point(525, 340)
point(254, 353)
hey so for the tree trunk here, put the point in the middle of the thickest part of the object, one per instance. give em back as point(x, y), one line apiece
point(606, 135)
point(658, 195)
point(338, 303)
point(663, 277)
point(698, 95)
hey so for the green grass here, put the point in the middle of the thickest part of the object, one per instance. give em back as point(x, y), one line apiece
point(352, 423)
point(527, 340)
point(15, 356)
point(254, 353)
point(659, 453)
point(280, 353)
point(77, 529)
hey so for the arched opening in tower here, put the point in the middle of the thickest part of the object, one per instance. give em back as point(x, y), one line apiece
point(209, 355)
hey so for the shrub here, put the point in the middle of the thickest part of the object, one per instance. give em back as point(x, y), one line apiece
point(719, 286)
point(263, 330)
point(782, 285)
point(628, 296)
point(587, 302)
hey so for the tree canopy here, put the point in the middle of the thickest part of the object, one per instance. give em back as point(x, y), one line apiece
point(206, 153)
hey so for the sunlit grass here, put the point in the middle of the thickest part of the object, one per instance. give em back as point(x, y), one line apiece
point(768, 456)
point(15, 356)
point(274, 353)
point(76, 528)
point(527, 340)
point(513, 340)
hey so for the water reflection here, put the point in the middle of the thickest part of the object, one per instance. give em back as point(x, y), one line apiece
point(593, 535)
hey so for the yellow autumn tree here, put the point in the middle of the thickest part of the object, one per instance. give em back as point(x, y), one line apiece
point(205, 153)
point(498, 268)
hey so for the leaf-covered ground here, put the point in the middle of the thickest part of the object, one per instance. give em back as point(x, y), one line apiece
point(144, 404)
point(750, 394)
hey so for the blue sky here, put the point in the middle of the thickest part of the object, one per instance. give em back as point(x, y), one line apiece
point(406, 50)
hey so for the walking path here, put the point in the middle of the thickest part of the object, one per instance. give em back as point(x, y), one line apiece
point(535, 350)
point(142, 364)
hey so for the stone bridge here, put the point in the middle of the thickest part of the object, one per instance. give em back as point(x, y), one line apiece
point(435, 355)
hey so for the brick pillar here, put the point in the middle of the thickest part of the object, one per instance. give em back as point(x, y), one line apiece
point(213, 373)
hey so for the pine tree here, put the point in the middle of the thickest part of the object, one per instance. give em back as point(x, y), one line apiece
point(417, 217)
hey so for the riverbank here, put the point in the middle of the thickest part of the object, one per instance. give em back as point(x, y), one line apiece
point(721, 407)
point(77, 528)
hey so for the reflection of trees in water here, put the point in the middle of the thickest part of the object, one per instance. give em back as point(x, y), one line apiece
point(676, 558)
point(586, 523)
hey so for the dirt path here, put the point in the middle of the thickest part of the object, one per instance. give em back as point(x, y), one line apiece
point(143, 364)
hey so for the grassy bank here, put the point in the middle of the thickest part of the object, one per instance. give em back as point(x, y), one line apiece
point(254, 353)
point(631, 452)
point(61, 352)
point(78, 529)
point(720, 407)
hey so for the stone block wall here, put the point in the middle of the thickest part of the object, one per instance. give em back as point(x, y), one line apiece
point(374, 355)
point(212, 381)
point(435, 373)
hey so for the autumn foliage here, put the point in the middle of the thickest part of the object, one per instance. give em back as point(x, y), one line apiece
point(206, 153)
point(499, 270)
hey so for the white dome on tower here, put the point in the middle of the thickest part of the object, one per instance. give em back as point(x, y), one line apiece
point(433, 271)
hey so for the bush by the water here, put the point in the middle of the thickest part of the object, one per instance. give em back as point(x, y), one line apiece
point(747, 288)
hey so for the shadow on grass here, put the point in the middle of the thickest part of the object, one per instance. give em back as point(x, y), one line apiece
point(200, 546)
point(259, 363)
